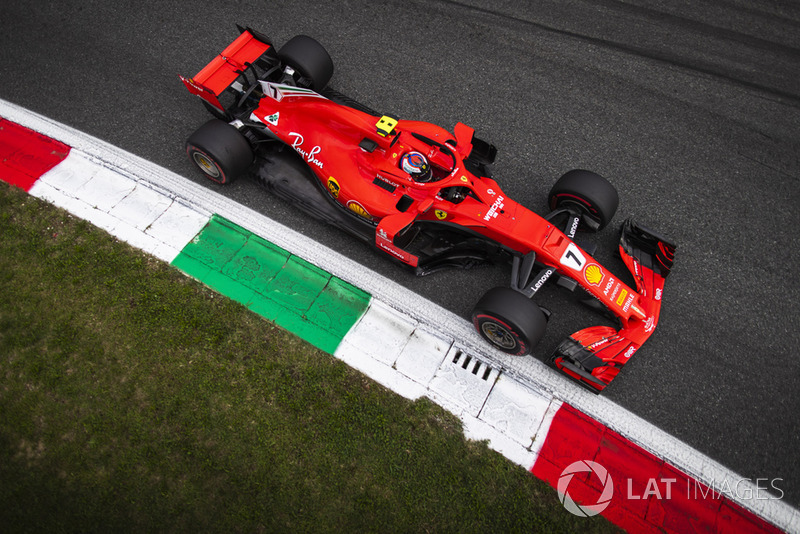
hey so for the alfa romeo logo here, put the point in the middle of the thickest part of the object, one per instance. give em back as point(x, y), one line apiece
point(585, 510)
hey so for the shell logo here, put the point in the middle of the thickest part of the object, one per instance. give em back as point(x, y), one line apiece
point(357, 208)
point(593, 274)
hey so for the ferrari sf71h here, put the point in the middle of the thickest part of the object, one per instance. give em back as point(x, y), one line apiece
point(425, 196)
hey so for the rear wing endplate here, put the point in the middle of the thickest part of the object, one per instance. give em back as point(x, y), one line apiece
point(223, 70)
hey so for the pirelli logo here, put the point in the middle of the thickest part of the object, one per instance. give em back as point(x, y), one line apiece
point(621, 298)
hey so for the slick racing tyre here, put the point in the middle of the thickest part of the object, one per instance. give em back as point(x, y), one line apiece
point(309, 58)
point(509, 320)
point(592, 193)
point(220, 151)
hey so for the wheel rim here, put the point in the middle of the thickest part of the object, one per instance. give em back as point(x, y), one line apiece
point(206, 164)
point(498, 335)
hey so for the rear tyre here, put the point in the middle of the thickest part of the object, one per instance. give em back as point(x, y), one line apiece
point(220, 151)
point(592, 193)
point(509, 320)
point(309, 58)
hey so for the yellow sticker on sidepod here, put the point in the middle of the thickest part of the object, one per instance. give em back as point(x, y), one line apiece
point(333, 187)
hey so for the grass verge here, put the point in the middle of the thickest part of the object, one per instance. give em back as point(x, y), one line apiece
point(132, 398)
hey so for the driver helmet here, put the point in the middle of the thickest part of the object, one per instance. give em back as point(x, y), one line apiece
point(415, 164)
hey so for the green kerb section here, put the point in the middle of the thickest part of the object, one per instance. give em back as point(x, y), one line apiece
point(274, 283)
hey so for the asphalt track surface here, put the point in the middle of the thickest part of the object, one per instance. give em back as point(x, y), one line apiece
point(693, 112)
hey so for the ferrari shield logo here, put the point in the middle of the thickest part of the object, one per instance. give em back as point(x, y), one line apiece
point(440, 214)
point(333, 187)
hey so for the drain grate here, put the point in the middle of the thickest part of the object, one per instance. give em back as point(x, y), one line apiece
point(479, 368)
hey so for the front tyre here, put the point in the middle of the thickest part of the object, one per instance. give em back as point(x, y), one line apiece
point(509, 320)
point(590, 192)
point(220, 151)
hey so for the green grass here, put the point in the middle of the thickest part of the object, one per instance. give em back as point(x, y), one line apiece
point(132, 398)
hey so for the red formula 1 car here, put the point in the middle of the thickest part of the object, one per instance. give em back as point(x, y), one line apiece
point(425, 196)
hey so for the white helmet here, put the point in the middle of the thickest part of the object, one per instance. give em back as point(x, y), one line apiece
point(415, 164)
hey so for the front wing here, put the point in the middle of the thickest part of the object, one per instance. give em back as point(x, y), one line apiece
point(595, 355)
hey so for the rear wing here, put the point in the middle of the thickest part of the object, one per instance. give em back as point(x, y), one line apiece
point(224, 69)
